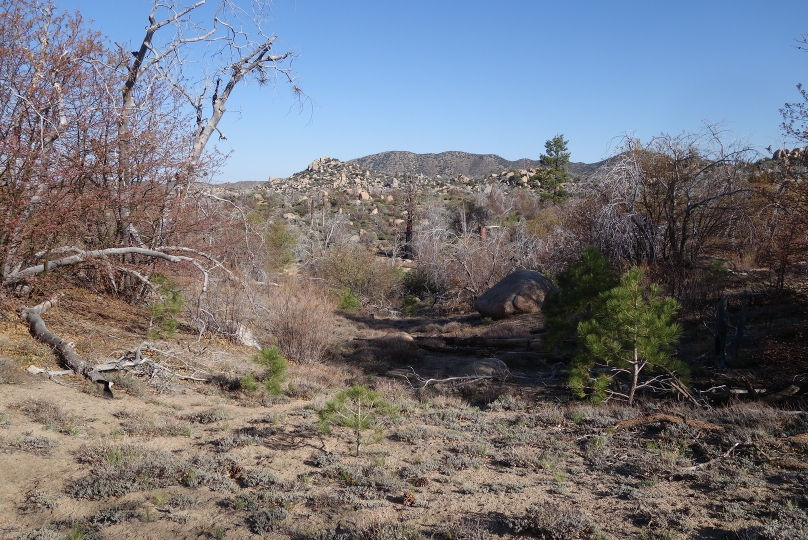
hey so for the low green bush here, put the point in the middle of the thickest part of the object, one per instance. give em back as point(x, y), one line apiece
point(275, 368)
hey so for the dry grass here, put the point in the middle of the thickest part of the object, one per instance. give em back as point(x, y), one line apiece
point(471, 461)
point(301, 317)
point(51, 416)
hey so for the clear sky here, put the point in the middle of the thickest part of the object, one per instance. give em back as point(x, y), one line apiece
point(503, 76)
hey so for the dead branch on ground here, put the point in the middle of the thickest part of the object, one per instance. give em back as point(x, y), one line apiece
point(463, 379)
point(708, 463)
point(63, 349)
point(73, 363)
point(661, 417)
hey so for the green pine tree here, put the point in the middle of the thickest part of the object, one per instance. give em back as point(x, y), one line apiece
point(275, 367)
point(356, 408)
point(579, 287)
point(558, 155)
point(555, 162)
point(632, 329)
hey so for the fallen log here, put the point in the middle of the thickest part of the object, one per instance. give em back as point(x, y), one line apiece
point(783, 394)
point(63, 349)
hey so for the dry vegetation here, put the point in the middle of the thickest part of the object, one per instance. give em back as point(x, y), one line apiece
point(172, 286)
point(500, 458)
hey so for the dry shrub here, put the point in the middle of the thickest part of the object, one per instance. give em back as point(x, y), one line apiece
point(51, 415)
point(392, 389)
point(10, 372)
point(301, 317)
point(440, 399)
point(551, 521)
point(351, 267)
point(455, 269)
point(223, 309)
point(324, 376)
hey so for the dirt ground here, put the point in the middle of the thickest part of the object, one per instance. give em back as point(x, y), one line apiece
point(496, 457)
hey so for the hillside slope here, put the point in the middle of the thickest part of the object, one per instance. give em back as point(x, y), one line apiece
point(451, 164)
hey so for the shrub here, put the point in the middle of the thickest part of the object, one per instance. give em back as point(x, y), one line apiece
point(281, 242)
point(118, 470)
point(275, 368)
point(788, 522)
point(376, 530)
point(420, 282)
point(10, 372)
point(223, 309)
point(45, 533)
point(51, 416)
point(248, 383)
point(165, 308)
point(353, 268)
point(409, 305)
point(266, 520)
point(209, 416)
point(349, 302)
point(578, 289)
point(548, 521)
point(302, 319)
point(632, 329)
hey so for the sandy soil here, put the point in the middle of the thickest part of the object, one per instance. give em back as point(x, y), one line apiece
point(462, 460)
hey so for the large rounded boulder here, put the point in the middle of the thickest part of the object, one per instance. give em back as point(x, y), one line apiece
point(523, 291)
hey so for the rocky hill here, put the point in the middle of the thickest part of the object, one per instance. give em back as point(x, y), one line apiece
point(386, 171)
point(331, 174)
point(454, 164)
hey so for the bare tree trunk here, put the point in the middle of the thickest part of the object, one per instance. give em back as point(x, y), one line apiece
point(62, 349)
point(721, 334)
point(635, 379)
point(740, 328)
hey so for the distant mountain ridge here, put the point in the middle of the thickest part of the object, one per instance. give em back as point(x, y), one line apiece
point(453, 163)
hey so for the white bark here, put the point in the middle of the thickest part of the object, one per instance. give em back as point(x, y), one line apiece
point(63, 349)
point(83, 256)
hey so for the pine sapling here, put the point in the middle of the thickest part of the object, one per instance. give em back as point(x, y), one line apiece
point(357, 408)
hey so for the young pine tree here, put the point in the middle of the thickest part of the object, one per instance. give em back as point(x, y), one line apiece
point(632, 329)
point(578, 290)
point(275, 367)
point(357, 408)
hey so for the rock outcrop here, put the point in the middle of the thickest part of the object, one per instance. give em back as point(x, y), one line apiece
point(786, 155)
point(523, 291)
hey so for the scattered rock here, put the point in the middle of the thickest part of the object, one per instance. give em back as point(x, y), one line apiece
point(397, 337)
point(784, 154)
point(487, 367)
point(245, 337)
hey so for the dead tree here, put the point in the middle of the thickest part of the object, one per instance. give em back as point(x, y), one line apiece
point(73, 363)
point(63, 349)
point(244, 55)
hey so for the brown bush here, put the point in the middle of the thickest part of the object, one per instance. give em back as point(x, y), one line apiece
point(352, 267)
point(223, 309)
point(301, 317)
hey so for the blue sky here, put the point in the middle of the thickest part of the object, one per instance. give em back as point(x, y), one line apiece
point(503, 77)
